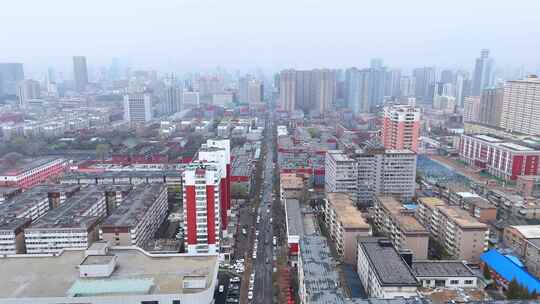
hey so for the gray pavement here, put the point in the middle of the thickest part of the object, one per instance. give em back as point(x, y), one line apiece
point(262, 269)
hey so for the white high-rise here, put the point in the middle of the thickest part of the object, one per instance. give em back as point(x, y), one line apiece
point(26, 90)
point(137, 108)
point(521, 106)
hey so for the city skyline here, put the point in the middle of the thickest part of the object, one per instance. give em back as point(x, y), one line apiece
point(198, 36)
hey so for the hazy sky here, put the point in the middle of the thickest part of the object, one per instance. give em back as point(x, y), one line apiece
point(176, 35)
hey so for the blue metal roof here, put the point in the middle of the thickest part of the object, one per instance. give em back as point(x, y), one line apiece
point(508, 270)
point(515, 260)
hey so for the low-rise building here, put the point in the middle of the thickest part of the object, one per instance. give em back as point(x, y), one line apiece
point(12, 235)
point(70, 226)
point(503, 269)
point(383, 271)
point(525, 241)
point(400, 226)
point(345, 224)
point(291, 186)
point(295, 230)
point(138, 218)
point(29, 172)
point(317, 275)
point(462, 236)
point(128, 276)
point(444, 274)
point(506, 159)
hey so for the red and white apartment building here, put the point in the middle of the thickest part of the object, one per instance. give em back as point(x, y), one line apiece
point(207, 197)
point(502, 158)
point(31, 172)
point(401, 127)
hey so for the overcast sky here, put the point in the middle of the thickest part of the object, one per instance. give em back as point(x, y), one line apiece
point(190, 35)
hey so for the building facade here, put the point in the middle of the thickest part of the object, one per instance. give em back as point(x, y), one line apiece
point(80, 73)
point(401, 128)
point(502, 158)
point(521, 106)
point(137, 108)
point(32, 172)
point(460, 234)
point(405, 232)
point(345, 224)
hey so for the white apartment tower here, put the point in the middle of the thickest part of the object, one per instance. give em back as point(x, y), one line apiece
point(137, 108)
point(521, 106)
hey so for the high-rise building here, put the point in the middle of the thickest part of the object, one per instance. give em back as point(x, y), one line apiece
point(521, 106)
point(209, 86)
point(483, 72)
point(202, 196)
point(80, 73)
point(26, 90)
point(401, 127)
point(407, 86)
point(305, 90)
point(243, 87)
point(189, 100)
point(461, 87)
point(206, 188)
point(137, 108)
point(218, 151)
point(10, 75)
point(491, 103)
point(287, 90)
point(471, 108)
point(357, 88)
point(447, 76)
point(255, 91)
point(424, 78)
point(377, 78)
point(325, 90)
point(173, 98)
point(371, 172)
point(392, 83)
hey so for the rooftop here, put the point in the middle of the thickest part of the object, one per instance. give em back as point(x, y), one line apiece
point(72, 213)
point(461, 217)
point(291, 181)
point(53, 276)
point(134, 206)
point(435, 268)
point(349, 216)
point(390, 268)
point(406, 222)
point(294, 217)
point(509, 270)
point(24, 165)
point(528, 231)
point(320, 275)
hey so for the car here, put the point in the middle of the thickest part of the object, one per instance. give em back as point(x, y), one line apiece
point(250, 295)
point(266, 241)
point(232, 300)
point(221, 288)
point(257, 233)
point(267, 210)
point(234, 279)
point(267, 260)
point(254, 256)
point(250, 287)
point(244, 232)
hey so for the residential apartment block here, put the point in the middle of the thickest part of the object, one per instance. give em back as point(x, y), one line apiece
point(383, 271)
point(345, 224)
point(371, 172)
point(521, 106)
point(401, 127)
point(462, 236)
point(405, 232)
point(72, 225)
point(137, 218)
point(202, 207)
point(525, 240)
point(30, 172)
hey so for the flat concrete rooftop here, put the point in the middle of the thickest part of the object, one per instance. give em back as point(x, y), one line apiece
point(52, 276)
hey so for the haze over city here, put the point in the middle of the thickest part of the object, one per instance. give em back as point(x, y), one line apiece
point(180, 36)
point(276, 152)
